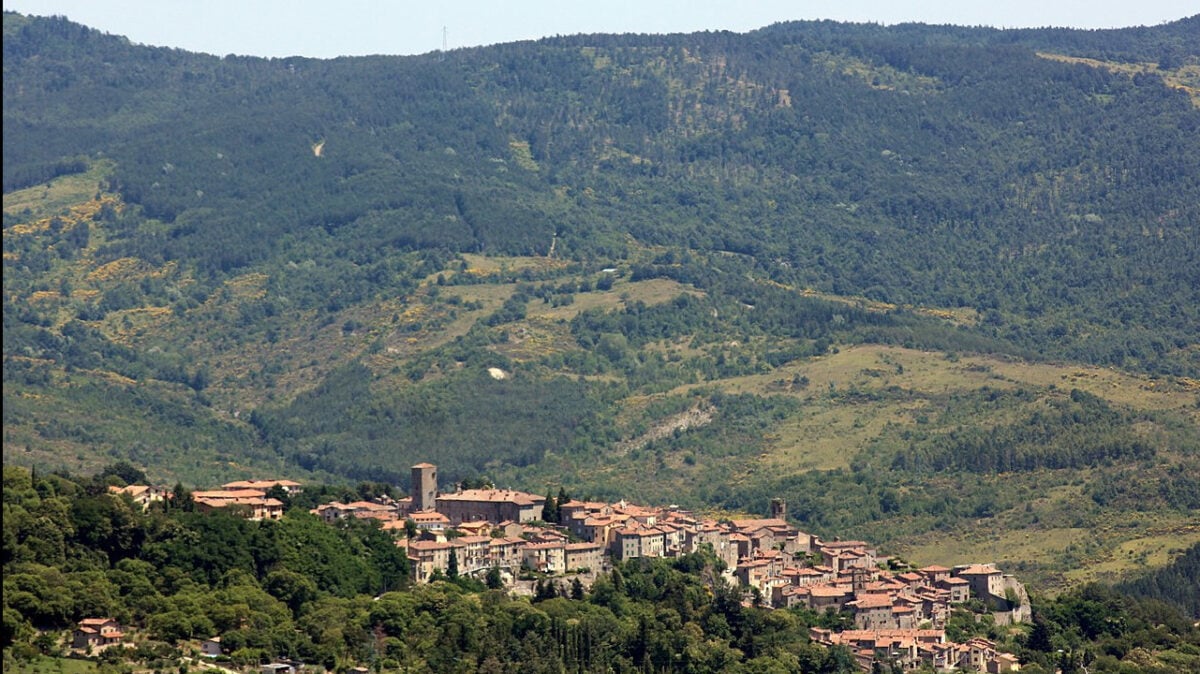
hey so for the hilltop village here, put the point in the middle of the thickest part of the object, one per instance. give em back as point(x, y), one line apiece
point(518, 540)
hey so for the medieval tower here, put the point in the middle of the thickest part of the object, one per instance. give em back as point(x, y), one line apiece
point(424, 487)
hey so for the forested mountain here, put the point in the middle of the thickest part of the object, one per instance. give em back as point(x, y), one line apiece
point(921, 281)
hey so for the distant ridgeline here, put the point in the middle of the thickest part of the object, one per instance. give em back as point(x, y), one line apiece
point(928, 165)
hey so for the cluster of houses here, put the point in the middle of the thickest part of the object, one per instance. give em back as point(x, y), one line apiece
point(248, 497)
point(911, 648)
point(899, 615)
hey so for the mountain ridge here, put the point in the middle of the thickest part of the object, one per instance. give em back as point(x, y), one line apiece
point(767, 203)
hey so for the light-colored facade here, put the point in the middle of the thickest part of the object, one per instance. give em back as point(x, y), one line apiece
point(490, 505)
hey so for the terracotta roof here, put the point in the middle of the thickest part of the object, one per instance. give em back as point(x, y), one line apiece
point(584, 546)
point(752, 525)
point(428, 545)
point(431, 516)
point(496, 542)
point(494, 496)
point(979, 570)
point(872, 601)
point(842, 545)
point(368, 505)
point(424, 465)
point(259, 484)
point(545, 546)
point(227, 494)
point(630, 531)
point(827, 591)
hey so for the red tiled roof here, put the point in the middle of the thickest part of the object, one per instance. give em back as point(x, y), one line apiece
point(494, 496)
point(979, 570)
point(584, 546)
point(872, 601)
point(428, 545)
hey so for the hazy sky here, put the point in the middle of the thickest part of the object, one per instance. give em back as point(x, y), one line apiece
point(328, 28)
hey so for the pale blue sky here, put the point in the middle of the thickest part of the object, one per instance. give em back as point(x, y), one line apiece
point(328, 28)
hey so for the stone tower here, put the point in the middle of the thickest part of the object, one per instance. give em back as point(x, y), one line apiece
point(778, 508)
point(424, 487)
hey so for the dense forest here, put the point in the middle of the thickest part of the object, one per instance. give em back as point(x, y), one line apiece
point(919, 281)
point(338, 596)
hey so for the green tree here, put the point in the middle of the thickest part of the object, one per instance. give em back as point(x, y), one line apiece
point(493, 579)
point(550, 510)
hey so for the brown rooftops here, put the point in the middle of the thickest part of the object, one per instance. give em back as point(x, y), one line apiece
point(827, 591)
point(428, 516)
point(496, 542)
point(494, 496)
point(979, 570)
point(584, 546)
point(545, 546)
point(260, 484)
point(769, 523)
point(872, 601)
point(218, 494)
point(428, 545)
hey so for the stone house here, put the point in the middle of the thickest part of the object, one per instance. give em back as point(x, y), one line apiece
point(546, 557)
point(211, 648)
point(490, 505)
point(96, 634)
point(588, 556)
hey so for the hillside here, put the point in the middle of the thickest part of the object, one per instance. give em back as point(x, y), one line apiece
point(929, 284)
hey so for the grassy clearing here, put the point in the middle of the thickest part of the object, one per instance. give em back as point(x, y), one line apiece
point(59, 194)
point(984, 545)
point(1185, 78)
point(827, 436)
point(42, 664)
point(830, 431)
point(877, 368)
point(1156, 548)
point(651, 291)
point(483, 264)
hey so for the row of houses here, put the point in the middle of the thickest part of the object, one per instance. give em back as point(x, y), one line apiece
point(899, 615)
point(912, 648)
point(246, 497)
